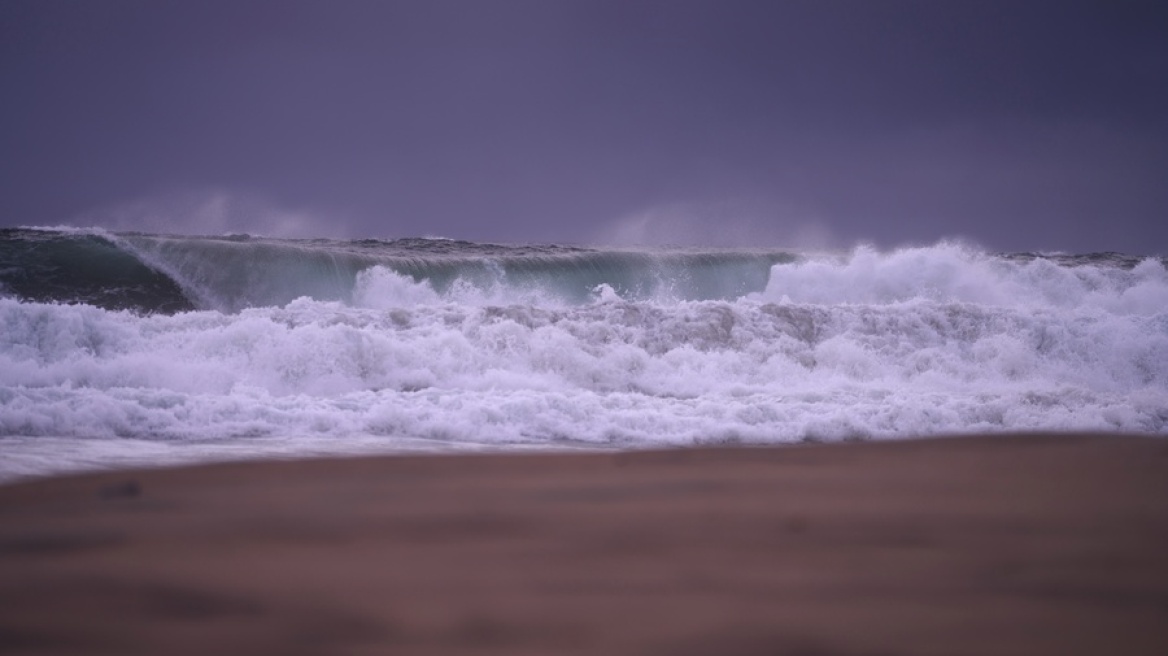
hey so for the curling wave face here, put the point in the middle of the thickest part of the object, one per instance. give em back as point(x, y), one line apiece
point(247, 346)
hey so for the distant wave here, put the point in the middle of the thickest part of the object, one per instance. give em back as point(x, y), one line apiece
point(168, 274)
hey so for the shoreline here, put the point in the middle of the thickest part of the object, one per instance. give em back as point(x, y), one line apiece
point(995, 544)
point(164, 456)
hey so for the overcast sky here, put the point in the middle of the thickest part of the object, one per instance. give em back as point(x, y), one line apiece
point(1019, 125)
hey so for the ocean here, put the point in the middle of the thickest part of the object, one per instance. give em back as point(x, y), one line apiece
point(131, 349)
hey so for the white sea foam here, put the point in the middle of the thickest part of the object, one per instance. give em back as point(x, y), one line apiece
point(920, 341)
point(951, 273)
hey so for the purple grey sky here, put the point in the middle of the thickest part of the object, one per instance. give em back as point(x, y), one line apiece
point(1021, 125)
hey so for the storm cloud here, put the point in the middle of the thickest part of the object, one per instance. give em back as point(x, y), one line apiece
point(1019, 125)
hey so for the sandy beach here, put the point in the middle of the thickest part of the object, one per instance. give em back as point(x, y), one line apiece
point(1037, 544)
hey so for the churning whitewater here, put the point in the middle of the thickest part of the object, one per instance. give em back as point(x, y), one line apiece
point(135, 349)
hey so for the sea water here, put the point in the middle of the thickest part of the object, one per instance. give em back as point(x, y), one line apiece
point(136, 349)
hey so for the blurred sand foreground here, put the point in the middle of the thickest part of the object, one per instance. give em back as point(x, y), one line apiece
point(1002, 545)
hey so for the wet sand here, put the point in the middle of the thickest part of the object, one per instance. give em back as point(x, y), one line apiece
point(1001, 545)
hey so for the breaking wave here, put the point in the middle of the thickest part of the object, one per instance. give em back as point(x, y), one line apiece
point(222, 347)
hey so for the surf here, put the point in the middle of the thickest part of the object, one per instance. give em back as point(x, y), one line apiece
point(316, 346)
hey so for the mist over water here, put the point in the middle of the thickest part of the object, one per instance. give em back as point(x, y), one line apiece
point(138, 349)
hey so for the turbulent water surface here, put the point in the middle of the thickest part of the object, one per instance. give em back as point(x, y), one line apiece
point(132, 349)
